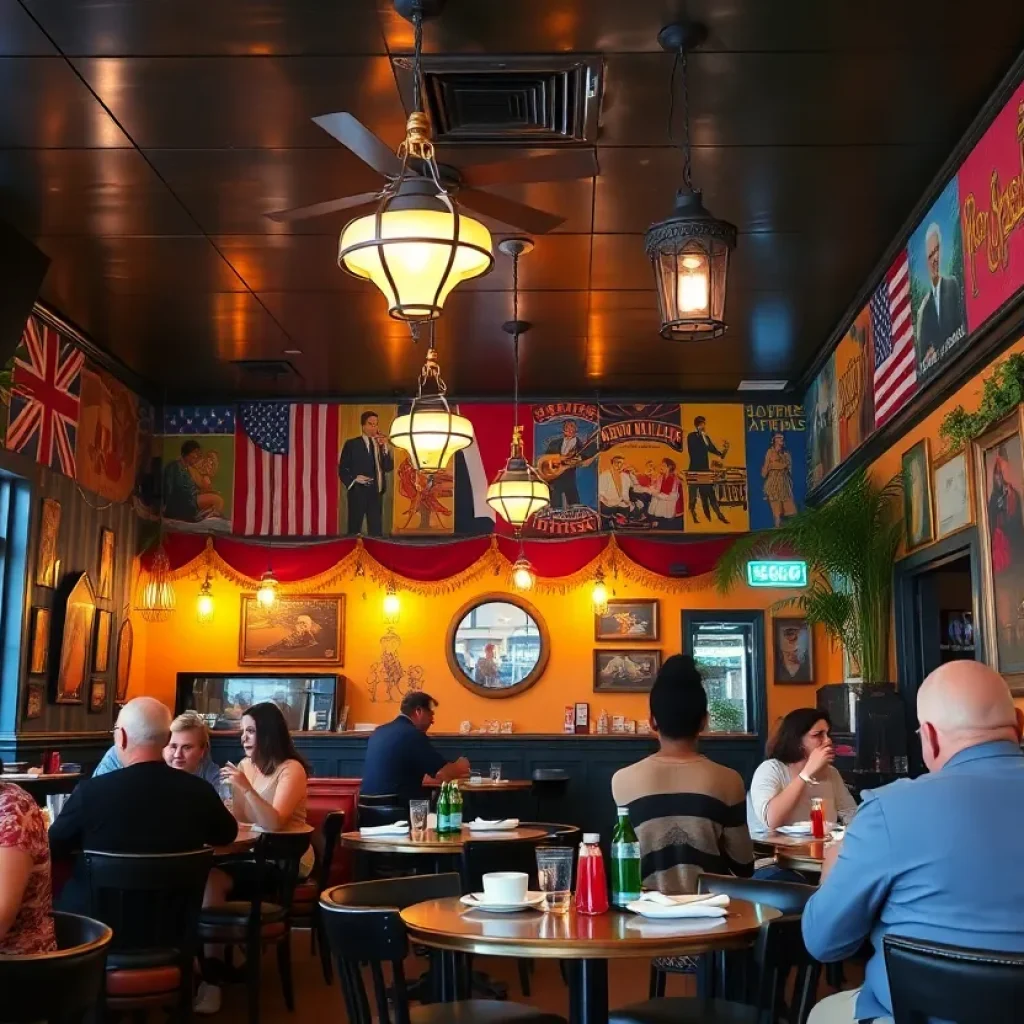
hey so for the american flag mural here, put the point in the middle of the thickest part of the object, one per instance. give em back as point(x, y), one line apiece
point(45, 391)
point(286, 469)
point(893, 327)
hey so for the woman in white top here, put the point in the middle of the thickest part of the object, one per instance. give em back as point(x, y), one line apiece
point(799, 768)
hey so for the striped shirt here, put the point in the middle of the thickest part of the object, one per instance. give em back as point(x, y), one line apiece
point(690, 817)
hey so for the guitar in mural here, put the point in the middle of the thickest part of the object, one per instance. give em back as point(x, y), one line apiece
point(552, 466)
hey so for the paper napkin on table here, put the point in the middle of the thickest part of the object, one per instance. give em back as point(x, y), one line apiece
point(398, 828)
point(487, 825)
point(707, 899)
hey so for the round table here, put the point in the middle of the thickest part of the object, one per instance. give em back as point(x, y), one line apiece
point(589, 942)
point(429, 842)
point(245, 840)
point(487, 786)
point(794, 852)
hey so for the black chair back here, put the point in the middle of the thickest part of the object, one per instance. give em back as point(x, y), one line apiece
point(482, 857)
point(969, 986)
point(383, 809)
point(59, 986)
point(151, 900)
point(331, 829)
point(364, 925)
point(280, 854)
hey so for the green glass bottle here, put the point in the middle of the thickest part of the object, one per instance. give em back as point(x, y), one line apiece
point(443, 810)
point(625, 861)
point(455, 809)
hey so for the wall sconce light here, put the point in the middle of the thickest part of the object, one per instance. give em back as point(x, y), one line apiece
point(392, 605)
point(599, 593)
point(204, 602)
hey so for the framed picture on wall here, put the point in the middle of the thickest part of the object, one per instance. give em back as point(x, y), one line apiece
point(628, 621)
point(918, 511)
point(97, 694)
point(298, 629)
point(47, 562)
point(999, 487)
point(39, 653)
point(35, 699)
point(76, 640)
point(105, 576)
point(625, 670)
point(125, 643)
point(101, 649)
point(794, 652)
point(954, 494)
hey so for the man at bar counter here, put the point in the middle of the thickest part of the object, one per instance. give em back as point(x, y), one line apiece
point(399, 757)
point(147, 807)
point(937, 858)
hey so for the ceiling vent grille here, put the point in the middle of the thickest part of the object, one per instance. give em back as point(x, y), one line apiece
point(537, 101)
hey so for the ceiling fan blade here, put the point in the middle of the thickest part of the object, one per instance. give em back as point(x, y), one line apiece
point(320, 209)
point(565, 165)
point(357, 137)
point(508, 211)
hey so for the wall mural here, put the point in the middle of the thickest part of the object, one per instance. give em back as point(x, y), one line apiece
point(389, 679)
point(776, 442)
point(717, 493)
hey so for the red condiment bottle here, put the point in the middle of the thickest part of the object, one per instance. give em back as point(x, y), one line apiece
point(591, 882)
point(818, 818)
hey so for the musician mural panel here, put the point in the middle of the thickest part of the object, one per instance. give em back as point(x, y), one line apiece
point(640, 484)
point(715, 468)
point(566, 441)
point(776, 460)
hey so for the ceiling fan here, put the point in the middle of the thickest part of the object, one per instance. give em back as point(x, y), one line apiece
point(464, 179)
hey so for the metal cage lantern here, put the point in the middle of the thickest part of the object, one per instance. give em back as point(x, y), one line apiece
point(430, 431)
point(689, 252)
point(156, 600)
point(518, 491)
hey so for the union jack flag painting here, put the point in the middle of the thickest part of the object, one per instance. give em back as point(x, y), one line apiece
point(45, 393)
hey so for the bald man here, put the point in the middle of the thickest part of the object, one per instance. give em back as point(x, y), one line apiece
point(146, 807)
point(937, 858)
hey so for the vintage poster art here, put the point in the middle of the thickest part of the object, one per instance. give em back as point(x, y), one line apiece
point(47, 561)
point(855, 372)
point(776, 462)
point(566, 445)
point(197, 458)
point(125, 644)
point(991, 185)
point(954, 494)
point(640, 483)
point(936, 260)
point(97, 694)
point(39, 652)
point(305, 629)
point(918, 508)
point(35, 699)
point(823, 432)
point(626, 670)
point(999, 479)
point(76, 641)
point(106, 450)
point(105, 576)
point(715, 468)
point(101, 648)
point(632, 620)
point(424, 503)
point(794, 652)
point(366, 508)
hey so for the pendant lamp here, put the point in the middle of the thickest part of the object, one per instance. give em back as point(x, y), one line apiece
point(204, 601)
point(689, 250)
point(156, 600)
point(418, 244)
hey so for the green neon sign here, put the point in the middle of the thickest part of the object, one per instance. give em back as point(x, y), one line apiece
point(777, 573)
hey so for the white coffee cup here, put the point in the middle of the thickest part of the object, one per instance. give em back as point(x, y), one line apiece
point(505, 887)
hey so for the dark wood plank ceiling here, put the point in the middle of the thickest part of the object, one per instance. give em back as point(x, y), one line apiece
point(142, 142)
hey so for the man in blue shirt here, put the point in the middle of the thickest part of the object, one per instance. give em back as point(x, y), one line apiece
point(937, 858)
point(188, 749)
point(400, 758)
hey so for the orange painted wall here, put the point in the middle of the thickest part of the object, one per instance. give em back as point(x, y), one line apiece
point(182, 645)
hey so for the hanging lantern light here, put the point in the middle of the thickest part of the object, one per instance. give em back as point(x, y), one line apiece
point(689, 250)
point(392, 605)
point(204, 601)
point(518, 491)
point(266, 592)
point(599, 593)
point(418, 245)
point(156, 600)
point(523, 577)
point(430, 432)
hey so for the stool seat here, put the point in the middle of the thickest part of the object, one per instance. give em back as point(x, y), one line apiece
point(480, 1011)
point(681, 1010)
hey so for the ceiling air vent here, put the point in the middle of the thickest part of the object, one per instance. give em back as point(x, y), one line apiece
point(266, 369)
point(537, 101)
point(762, 385)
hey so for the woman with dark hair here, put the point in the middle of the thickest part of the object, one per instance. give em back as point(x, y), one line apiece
point(799, 767)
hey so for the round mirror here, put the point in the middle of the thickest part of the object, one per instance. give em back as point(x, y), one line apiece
point(497, 645)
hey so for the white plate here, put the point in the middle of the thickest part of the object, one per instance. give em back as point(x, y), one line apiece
point(478, 901)
point(678, 912)
point(505, 825)
point(801, 828)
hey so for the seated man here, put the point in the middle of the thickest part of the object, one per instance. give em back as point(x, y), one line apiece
point(399, 757)
point(147, 807)
point(690, 814)
point(188, 750)
point(937, 858)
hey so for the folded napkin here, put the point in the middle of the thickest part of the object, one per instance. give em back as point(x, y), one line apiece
point(657, 905)
point(492, 824)
point(796, 828)
point(672, 926)
point(398, 828)
point(707, 899)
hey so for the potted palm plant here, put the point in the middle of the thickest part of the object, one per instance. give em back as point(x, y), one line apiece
point(850, 544)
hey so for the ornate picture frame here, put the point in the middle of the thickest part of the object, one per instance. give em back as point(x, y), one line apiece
point(299, 629)
point(629, 620)
point(953, 490)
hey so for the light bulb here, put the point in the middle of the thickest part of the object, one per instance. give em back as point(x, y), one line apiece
point(692, 287)
point(522, 575)
point(392, 605)
point(266, 594)
point(599, 594)
point(204, 607)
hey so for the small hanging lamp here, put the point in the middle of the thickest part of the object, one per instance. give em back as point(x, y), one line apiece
point(156, 600)
point(523, 577)
point(689, 250)
point(266, 592)
point(204, 601)
point(392, 605)
point(599, 593)
point(518, 491)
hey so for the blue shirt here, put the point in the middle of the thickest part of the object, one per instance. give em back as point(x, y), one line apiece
point(398, 755)
point(206, 770)
point(937, 859)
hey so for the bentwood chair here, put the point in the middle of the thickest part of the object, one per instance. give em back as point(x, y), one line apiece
point(268, 879)
point(971, 986)
point(381, 809)
point(152, 903)
point(364, 927)
point(60, 986)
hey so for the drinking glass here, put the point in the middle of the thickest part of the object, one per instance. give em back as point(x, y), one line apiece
point(475, 777)
point(226, 792)
point(495, 771)
point(418, 810)
point(554, 874)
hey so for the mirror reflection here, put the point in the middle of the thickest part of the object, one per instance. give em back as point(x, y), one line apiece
point(497, 645)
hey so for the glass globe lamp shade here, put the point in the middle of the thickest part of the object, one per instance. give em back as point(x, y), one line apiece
point(204, 607)
point(431, 433)
point(518, 492)
point(522, 574)
point(599, 594)
point(266, 593)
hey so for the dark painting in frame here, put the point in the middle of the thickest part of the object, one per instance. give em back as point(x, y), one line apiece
point(97, 694)
point(628, 621)
point(125, 644)
point(625, 670)
point(35, 699)
point(793, 644)
point(47, 561)
point(76, 641)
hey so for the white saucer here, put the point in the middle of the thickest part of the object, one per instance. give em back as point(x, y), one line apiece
point(478, 901)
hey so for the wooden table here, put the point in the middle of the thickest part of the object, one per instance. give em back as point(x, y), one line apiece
point(429, 842)
point(487, 786)
point(40, 785)
point(587, 942)
point(795, 852)
point(245, 840)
